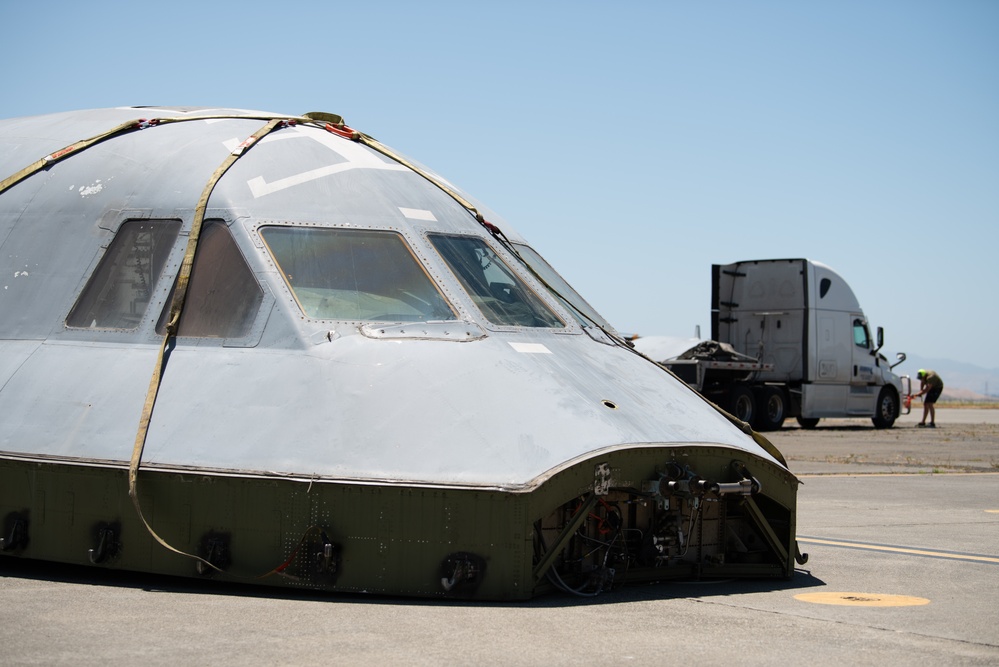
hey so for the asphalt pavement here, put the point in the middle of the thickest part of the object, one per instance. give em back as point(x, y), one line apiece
point(901, 527)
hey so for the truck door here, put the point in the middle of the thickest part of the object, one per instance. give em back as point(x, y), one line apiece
point(863, 373)
point(826, 396)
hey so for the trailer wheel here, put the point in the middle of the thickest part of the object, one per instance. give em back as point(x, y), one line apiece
point(886, 410)
point(808, 422)
point(741, 403)
point(771, 408)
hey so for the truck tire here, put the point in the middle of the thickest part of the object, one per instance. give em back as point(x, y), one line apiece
point(771, 408)
point(886, 409)
point(741, 403)
point(808, 422)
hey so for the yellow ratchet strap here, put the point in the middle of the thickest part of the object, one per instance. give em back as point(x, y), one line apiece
point(335, 124)
point(176, 307)
point(183, 278)
point(374, 144)
point(63, 153)
point(136, 124)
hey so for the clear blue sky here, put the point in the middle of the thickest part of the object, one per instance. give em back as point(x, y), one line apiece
point(633, 143)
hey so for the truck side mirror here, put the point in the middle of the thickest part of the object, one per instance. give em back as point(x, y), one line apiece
point(881, 338)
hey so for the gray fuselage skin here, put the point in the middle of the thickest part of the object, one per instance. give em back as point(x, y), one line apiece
point(399, 376)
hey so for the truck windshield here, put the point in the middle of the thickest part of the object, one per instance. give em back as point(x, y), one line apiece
point(495, 289)
point(355, 275)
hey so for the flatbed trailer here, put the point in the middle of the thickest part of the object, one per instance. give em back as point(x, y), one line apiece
point(727, 382)
point(788, 339)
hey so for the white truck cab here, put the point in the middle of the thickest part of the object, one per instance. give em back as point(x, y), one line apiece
point(803, 323)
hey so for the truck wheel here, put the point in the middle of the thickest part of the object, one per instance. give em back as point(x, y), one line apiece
point(886, 410)
point(771, 408)
point(741, 403)
point(808, 422)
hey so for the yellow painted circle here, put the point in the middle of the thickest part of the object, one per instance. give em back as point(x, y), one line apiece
point(862, 599)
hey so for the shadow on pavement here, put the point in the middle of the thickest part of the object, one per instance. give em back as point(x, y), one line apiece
point(22, 568)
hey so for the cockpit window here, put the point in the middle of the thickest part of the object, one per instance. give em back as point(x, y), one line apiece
point(584, 312)
point(120, 289)
point(223, 297)
point(355, 275)
point(502, 297)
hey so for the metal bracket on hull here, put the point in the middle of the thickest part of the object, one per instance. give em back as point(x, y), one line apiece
point(458, 331)
point(563, 539)
point(753, 510)
point(462, 572)
point(17, 537)
point(326, 557)
point(107, 544)
point(216, 549)
point(601, 479)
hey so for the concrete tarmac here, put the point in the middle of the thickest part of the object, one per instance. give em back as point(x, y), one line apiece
point(901, 527)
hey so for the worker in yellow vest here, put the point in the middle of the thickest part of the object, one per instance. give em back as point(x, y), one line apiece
point(932, 386)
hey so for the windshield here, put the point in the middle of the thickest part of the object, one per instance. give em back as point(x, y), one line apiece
point(497, 291)
point(355, 275)
point(583, 312)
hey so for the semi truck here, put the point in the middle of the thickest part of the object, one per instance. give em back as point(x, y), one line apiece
point(788, 339)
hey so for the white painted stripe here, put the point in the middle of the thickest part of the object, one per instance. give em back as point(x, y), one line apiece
point(259, 187)
point(900, 550)
point(530, 348)
point(355, 156)
point(418, 214)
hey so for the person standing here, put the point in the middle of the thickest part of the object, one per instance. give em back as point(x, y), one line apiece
point(931, 385)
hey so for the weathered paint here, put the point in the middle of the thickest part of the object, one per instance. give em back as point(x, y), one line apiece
point(413, 449)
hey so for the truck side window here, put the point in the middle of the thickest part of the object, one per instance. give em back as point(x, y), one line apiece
point(223, 297)
point(860, 335)
point(355, 275)
point(495, 289)
point(120, 289)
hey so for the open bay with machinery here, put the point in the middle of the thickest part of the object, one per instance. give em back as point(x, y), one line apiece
point(901, 527)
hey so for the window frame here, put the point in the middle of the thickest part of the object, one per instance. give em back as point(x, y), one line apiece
point(583, 313)
point(251, 330)
point(568, 320)
point(859, 323)
point(166, 275)
point(433, 278)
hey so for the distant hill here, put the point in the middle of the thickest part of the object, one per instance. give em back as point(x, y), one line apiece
point(962, 381)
